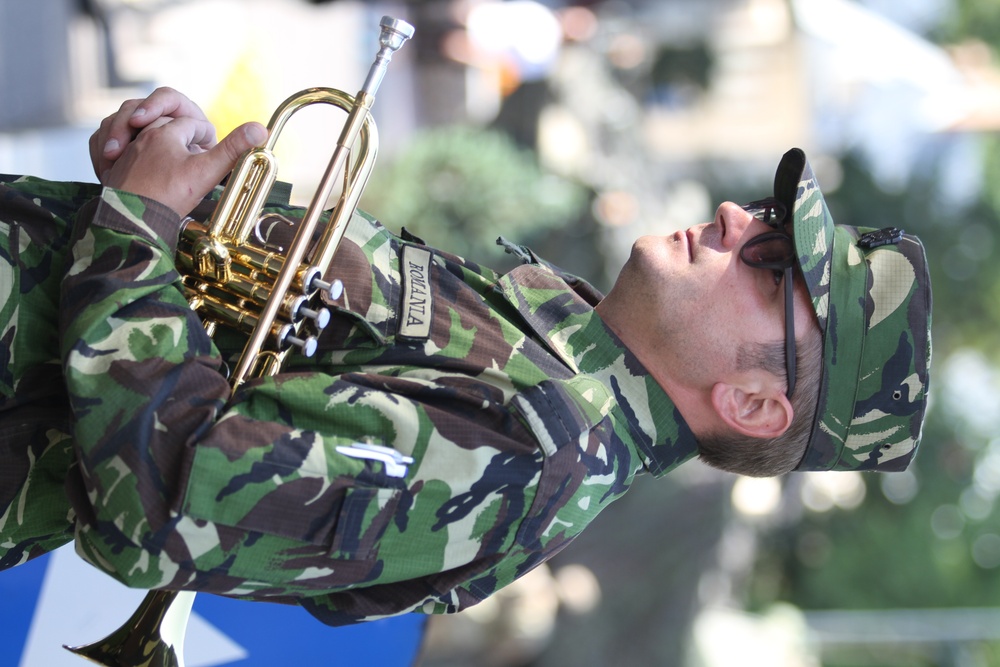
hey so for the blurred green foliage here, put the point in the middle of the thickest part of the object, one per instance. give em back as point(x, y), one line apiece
point(460, 187)
point(960, 238)
point(971, 19)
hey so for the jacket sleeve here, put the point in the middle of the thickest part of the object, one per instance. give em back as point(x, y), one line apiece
point(182, 485)
point(143, 378)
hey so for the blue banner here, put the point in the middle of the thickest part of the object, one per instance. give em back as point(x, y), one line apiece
point(59, 599)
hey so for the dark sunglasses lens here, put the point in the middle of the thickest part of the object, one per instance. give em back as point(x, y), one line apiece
point(769, 250)
point(769, 211)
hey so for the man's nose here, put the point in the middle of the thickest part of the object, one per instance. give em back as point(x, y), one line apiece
point(733, 223)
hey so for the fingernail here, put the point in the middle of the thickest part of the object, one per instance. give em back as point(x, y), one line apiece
point(112, 145)
point(138, 113)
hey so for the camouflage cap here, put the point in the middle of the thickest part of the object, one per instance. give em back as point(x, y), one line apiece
point(871, 292)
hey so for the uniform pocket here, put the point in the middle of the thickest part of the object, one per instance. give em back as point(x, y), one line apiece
point(364, 515)
point(343, 505)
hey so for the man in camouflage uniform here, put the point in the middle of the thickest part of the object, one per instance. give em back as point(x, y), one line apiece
point(457, 427)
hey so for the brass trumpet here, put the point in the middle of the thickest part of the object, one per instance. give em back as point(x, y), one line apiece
point(275, 300)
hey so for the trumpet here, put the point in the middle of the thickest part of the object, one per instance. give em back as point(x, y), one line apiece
point(274, 299)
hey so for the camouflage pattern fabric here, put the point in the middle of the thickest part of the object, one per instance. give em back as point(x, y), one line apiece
point(524, 417)
point(35, 443)
point(871, 293)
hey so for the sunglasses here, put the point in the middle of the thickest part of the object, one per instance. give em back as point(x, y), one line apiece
point(775, 251)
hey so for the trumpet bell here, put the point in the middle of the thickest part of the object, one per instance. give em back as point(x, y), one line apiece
point(165, 610)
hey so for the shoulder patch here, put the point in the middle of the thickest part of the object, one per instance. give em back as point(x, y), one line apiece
point(416, 312)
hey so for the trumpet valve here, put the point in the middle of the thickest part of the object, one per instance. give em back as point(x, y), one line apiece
point(312, 280)
point(212, 259)
point(299, 310)
point(333, 289)
point(288, 337)
point(320, 318)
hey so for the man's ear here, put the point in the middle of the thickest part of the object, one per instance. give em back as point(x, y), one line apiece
point(756, 411)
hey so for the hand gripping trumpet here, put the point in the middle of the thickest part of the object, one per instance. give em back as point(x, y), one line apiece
point(275, 301)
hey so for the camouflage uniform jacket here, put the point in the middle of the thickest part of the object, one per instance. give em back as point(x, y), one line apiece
point(523, 413)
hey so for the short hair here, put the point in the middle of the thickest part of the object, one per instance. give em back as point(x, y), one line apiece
point(769, 457)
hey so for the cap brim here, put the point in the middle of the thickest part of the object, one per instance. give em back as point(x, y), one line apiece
point(795, 186)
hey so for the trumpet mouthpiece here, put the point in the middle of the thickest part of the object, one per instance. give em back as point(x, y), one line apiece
point(394, 32)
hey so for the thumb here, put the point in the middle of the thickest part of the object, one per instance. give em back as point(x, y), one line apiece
point(221, 158)
point(247, 135)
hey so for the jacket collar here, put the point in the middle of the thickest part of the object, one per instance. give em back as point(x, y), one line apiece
point(562, 315)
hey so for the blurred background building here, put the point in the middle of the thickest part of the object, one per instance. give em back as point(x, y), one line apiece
point(575, 127)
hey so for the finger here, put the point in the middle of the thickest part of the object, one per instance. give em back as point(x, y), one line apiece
point(115, 132)
point(164, 101)
point(199, 135)
point(120, 128)
point(104, 146)
point(202, 135)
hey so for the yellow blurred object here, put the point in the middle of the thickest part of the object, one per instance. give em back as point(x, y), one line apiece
point(242, 97)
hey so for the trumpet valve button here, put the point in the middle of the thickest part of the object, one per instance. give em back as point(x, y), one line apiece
point(320, 317)
point(307, 345)
point(333, 289)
